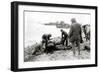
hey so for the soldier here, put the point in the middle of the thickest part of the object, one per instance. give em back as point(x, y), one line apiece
point(86, 30)
point(45, 39)
point(74, 35)
point(64, 37)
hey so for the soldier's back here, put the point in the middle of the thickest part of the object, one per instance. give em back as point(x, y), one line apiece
point(75, 34)
point(76, 27)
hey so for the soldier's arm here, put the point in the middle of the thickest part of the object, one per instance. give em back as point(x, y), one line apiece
point(70, 32)
point(80, 30)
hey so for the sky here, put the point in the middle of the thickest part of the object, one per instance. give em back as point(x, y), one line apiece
point(45, 17)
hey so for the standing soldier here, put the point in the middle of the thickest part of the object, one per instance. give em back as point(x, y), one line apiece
point(74, 35)
point(64, 37)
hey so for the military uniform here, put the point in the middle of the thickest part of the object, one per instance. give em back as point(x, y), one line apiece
point(45, 39)
point(75, 35)
point(64, 38)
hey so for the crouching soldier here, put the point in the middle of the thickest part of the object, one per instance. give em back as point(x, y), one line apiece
point(43, 46)
point(45, 41)
point(64, 37)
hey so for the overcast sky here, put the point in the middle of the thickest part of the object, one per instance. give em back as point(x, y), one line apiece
point(41, 17)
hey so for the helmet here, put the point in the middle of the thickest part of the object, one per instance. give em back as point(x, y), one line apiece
point(49, 35)
point(73, 20)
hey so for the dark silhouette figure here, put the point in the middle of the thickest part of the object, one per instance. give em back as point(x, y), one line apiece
point(75, 35)
point(48, 45)
point(86, 32)
point(45, 39)
point(64, 37)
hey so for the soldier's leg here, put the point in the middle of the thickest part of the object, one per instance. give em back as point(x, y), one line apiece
point(62, 41)
point(73, 48)
point(72, 40)
point(78, 43)
point(66, 41)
